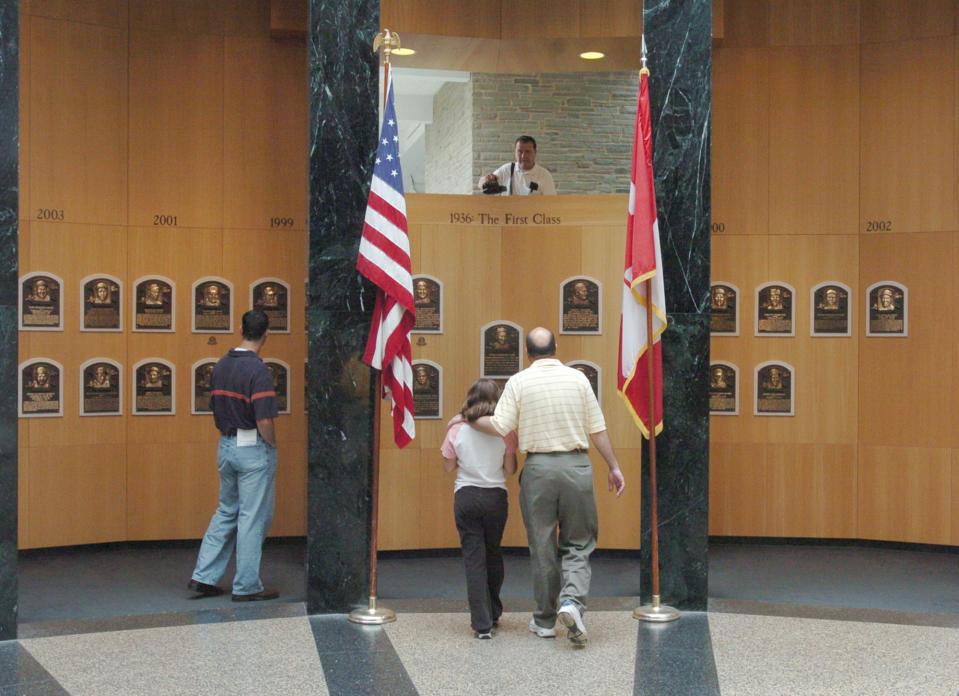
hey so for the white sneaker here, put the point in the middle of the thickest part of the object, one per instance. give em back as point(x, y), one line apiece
point(569, 616)
point(540, 631)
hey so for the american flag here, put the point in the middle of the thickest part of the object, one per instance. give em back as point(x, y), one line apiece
point(643, 262)
point(384, 258)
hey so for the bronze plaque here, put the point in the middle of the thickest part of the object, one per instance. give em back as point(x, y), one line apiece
point(154, 389)
point(774, 311)
point(211, 307)
point(154, 305)
point(722, 389)
point(428, 301)
point(281, 384)
point(40, 307)
point(202, 374)
point(887, 311)
point(830, 313)
point(580, 306)
point(40, 389)
point(501, 346)
point(101, 390)
point(101, 305)
point(774, 390)
point(273, 299)
point(426, 390)
point(723, 300)
point(592, 374)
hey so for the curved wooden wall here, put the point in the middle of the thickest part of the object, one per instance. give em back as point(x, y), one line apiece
point(828, 117)
point(131, 110)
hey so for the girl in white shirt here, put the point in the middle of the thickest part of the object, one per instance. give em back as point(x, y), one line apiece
point(480, 503)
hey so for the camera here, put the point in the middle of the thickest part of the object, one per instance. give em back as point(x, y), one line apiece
point(533, 186)
point(493, 187)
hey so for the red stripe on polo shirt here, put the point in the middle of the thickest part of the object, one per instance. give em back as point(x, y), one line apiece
point(224, 392)
point(262, 395)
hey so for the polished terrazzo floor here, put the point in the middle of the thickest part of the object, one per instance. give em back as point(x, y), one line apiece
point(782, 620)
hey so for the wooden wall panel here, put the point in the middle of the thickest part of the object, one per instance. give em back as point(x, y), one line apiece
point(176, 128)
point(78, 101)
point(265, 134)
point(399, 521)
point(908, 154)
point(76, 494)
point(108, 13)
point(552, 18)
point(902, 399)
point(610, 18)
point(175, 484)
point(289, 518)
point(814, 140)
point(745, 23)
point(619, 518)
point(808, 490)
point(891, 20)
point(740, 141)
point(813, 22)
point(826, 389)
point(737, 488)
point(954, 496)
point(448, 17)
point(905, 494)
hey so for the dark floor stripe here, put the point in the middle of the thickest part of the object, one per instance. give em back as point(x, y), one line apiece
point(675, 659)
point(20, 673)
point(359, 660)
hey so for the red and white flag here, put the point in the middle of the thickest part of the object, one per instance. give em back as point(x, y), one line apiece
point(643, 263)
point(384, 258)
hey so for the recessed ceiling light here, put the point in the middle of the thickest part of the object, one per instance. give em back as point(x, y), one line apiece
point(592, 55)
point(403, 52)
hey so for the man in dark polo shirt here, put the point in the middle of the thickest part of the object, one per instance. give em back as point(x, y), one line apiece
point(244, 406)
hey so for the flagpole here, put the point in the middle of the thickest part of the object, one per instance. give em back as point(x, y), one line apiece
point(374, 615)
point(655, 611)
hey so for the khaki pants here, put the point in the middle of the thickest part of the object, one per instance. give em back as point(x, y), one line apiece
point(556, 491)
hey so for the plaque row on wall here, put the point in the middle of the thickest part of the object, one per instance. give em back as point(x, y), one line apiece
point(101, 303)
point(152, 387)
point(773, 389)
point(830, 308)
point(428, 385)
point(580, 305)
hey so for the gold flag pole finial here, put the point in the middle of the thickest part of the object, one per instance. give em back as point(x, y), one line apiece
point(387, 40)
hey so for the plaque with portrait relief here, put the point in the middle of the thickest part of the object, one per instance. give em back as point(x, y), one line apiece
point(580, 306)
point(723, 388)
point(723, 313)
point(41, 306)
point(774, 309)
point(829, 309)
point(272, 297)
point(593, 374)
point(100, 309)
point(153, 298)
point(774, 389)
point(501, 356)
point(427, 389)
point(40, 390)
point(887, 309)
point(153, 388)
point(201, 375)
point(280, 372)
point(100, 389)
point(212, 303)
point(428, 302)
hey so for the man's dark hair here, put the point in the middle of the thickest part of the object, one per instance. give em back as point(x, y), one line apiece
point(537, 349)
point(255, 324)
point(526, 139)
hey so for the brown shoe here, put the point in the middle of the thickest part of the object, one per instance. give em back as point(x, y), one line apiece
point(265, 593)
point(201, 590)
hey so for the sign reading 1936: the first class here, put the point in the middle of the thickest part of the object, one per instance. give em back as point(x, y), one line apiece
point(504, 219)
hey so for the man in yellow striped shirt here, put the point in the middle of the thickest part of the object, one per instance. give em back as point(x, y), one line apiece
point(555, 414)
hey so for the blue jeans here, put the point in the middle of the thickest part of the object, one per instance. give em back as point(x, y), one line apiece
point(243, 516)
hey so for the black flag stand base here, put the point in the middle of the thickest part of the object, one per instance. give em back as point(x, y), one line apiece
point(373, 616)
point(659, 613)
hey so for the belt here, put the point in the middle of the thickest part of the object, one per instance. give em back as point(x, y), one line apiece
point(575, 451)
